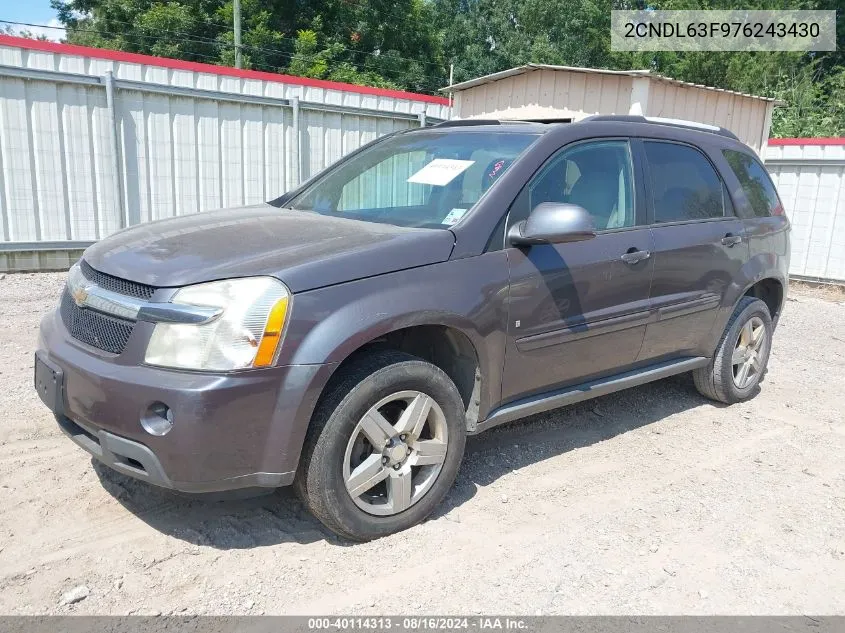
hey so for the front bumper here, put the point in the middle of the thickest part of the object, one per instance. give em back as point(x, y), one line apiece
point(136, 460)
point(229, 431)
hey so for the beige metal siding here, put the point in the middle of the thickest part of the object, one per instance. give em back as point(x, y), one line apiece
point(546, 94)
point(744, 116)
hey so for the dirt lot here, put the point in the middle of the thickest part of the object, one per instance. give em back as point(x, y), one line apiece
point(651, 501)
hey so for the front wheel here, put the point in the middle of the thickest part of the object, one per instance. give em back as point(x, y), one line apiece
point(740, 360)
point(384, 446)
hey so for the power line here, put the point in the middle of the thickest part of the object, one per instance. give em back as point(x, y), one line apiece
point(394, 15)
point(395, 72)
point(127, 36)
point(228, 28)
point(215, 43)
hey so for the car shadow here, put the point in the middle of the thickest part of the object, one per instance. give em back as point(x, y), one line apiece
point(233, 520)
point(513, 446)
point(226, 522)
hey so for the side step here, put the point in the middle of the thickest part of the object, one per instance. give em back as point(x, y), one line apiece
point(570, 395)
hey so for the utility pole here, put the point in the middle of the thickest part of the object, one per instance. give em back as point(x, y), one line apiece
point(236, 7)
point(451, 79)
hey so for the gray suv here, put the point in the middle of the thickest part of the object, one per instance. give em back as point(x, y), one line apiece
point(346, 337)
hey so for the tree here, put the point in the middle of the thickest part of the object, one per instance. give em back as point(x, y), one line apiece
point(309, 61)
point(381, 42)
point(183, 30)
point(485, 36)
point(814, 103)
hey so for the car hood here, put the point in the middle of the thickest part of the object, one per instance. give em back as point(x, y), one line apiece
point(305, 250)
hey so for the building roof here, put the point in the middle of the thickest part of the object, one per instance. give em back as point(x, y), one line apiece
point(528, 68)
point(821, 141)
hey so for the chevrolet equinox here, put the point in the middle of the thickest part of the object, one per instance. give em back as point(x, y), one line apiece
point(346, 337)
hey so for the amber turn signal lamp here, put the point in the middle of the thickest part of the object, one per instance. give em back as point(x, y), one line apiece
point(272, 334)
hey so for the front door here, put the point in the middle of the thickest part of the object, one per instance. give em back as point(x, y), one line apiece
point(579, 310)
point(700, 247)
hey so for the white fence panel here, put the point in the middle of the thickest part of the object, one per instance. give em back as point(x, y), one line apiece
point(810, 177)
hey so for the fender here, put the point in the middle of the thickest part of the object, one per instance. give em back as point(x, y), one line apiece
point(468, 294)
point(758, 267)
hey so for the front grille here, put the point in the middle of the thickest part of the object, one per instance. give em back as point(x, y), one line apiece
point(102, 331)
point(116, 284)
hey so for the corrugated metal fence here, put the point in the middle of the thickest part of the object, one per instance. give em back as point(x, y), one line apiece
point(92, 141)
point(810, 177)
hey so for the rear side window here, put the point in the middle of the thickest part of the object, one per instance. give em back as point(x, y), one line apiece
point(684, 184)
point(755, 183)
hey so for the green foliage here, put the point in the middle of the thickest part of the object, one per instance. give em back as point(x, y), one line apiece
point(264, 47)
point(385, 43)
point(814, 104)
point(485, 36)
point(310, 60)
point(409, 44)
point(170, 29)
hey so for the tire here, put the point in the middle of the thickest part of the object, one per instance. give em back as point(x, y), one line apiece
point(720, 380)
point(339, 446)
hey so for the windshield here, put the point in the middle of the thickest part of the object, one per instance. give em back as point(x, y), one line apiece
point(420, 180)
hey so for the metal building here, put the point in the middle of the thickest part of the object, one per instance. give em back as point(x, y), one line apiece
point(563, 93)
point(94, 140)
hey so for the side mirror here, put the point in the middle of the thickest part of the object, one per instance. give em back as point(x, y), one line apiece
point(553, 223)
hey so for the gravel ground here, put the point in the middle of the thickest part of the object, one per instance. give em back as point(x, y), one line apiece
point(650, 501)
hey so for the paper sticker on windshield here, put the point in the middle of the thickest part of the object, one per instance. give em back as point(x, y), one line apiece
point(440, 171)
point(453, 216)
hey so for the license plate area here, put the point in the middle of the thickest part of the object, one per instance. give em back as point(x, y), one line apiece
point(49, 383)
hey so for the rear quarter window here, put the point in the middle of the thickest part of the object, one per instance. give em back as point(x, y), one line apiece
point(755, 183)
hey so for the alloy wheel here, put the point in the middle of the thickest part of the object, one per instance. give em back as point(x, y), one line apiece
point(748, 352)
point(395, 453)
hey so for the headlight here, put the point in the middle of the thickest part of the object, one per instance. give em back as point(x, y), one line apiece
point(247, 333)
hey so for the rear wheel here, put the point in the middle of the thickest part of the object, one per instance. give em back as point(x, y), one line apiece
point(384, 447)
point(739, 364)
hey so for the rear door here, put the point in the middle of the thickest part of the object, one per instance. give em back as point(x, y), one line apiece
point(578, 310)
point(699, 247)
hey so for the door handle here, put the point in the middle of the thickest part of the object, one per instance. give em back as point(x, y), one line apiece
point(634, 256)
point(731, 240)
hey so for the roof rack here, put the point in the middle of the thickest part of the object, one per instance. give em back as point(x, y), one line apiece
point(692, 125)
point(473, 122)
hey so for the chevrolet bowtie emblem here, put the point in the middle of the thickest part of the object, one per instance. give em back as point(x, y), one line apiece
point(80, 296)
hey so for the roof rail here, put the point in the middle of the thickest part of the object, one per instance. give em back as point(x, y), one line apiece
point(693, 125)
point(468, 122)
point(472, 122)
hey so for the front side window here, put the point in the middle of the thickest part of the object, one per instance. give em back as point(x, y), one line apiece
point(596, 176)
point(755, 183)
point(684, 184)
point(428, 179)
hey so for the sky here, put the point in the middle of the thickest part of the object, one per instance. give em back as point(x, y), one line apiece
point(34, 12)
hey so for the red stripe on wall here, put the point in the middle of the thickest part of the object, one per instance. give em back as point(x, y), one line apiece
point(835, 140)
point(177, 64)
